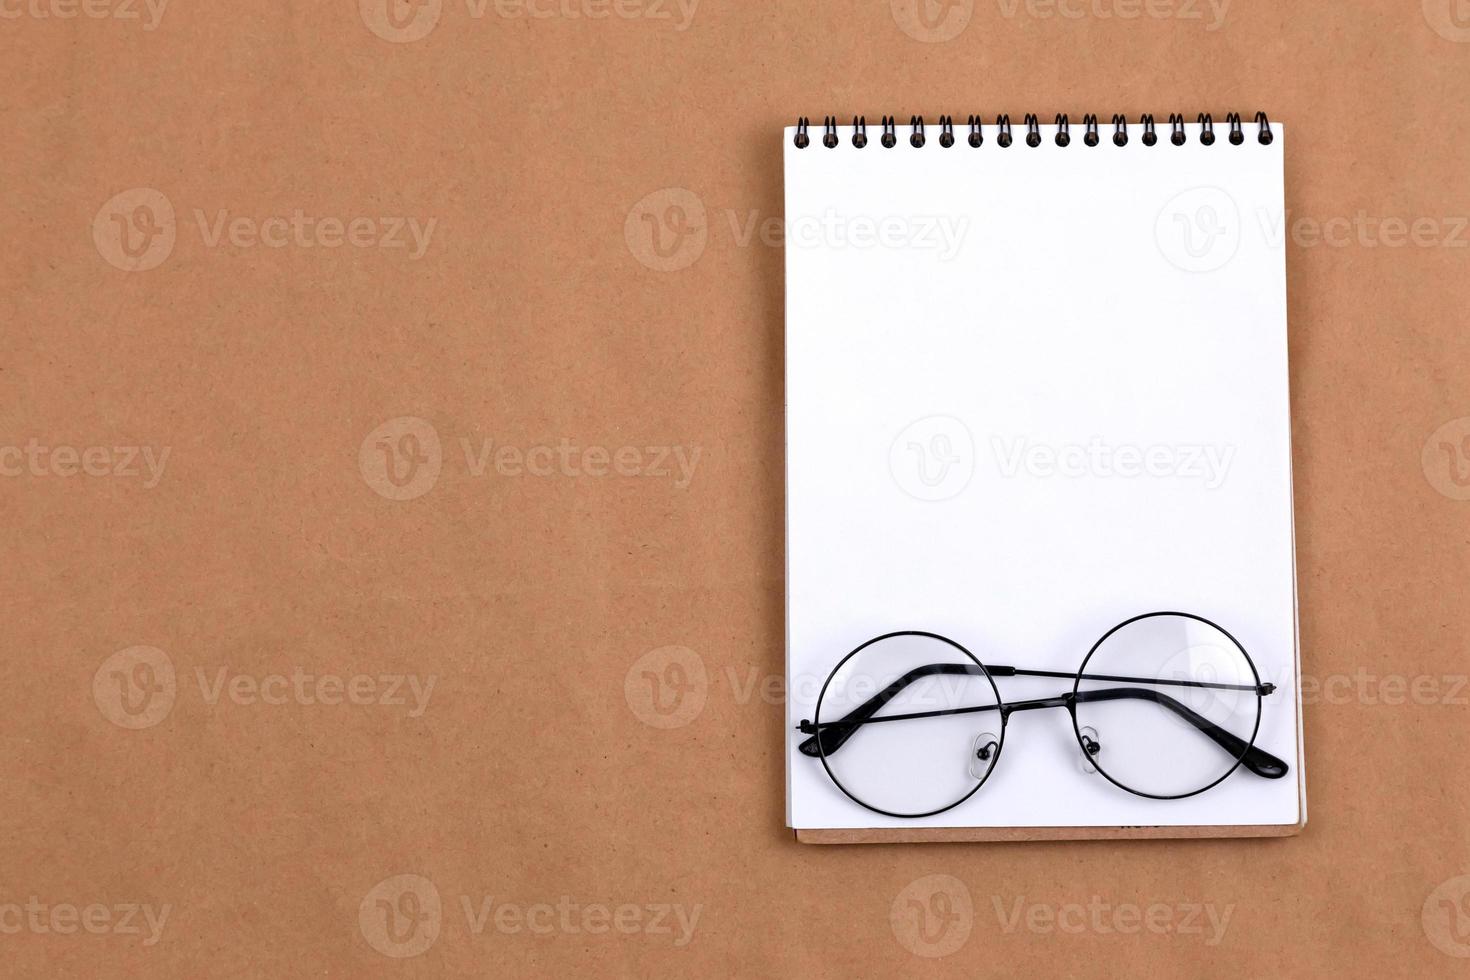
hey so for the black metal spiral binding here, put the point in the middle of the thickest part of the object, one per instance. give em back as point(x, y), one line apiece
point(1003, 137)
point(1236, 136)
point(1176, 127)
point(801, 137)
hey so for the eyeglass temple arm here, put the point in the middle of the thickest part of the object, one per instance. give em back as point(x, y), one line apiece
point(1000, 670)
point(834, 734)
point(1257, 760)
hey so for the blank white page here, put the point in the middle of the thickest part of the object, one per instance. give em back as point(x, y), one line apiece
point(1031, 393)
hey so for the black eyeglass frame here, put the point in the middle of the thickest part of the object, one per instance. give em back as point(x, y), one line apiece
point(1265, 764)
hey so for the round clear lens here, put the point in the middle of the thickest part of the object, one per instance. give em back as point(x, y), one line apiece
point(1173, 704)
point(908, 766)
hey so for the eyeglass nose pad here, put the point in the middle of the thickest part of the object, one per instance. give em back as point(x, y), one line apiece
point(982, 754)
point(1090, 746)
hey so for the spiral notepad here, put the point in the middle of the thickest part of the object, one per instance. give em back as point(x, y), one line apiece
point(1037, 385)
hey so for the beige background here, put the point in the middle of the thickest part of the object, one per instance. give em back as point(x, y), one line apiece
point(602, 730)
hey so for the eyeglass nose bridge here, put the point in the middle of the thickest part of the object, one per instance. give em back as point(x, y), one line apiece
point(1068, 701)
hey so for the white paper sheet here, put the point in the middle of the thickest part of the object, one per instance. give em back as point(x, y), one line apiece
point(1088, 347)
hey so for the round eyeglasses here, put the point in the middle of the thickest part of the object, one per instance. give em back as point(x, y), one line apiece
point(911, 723)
